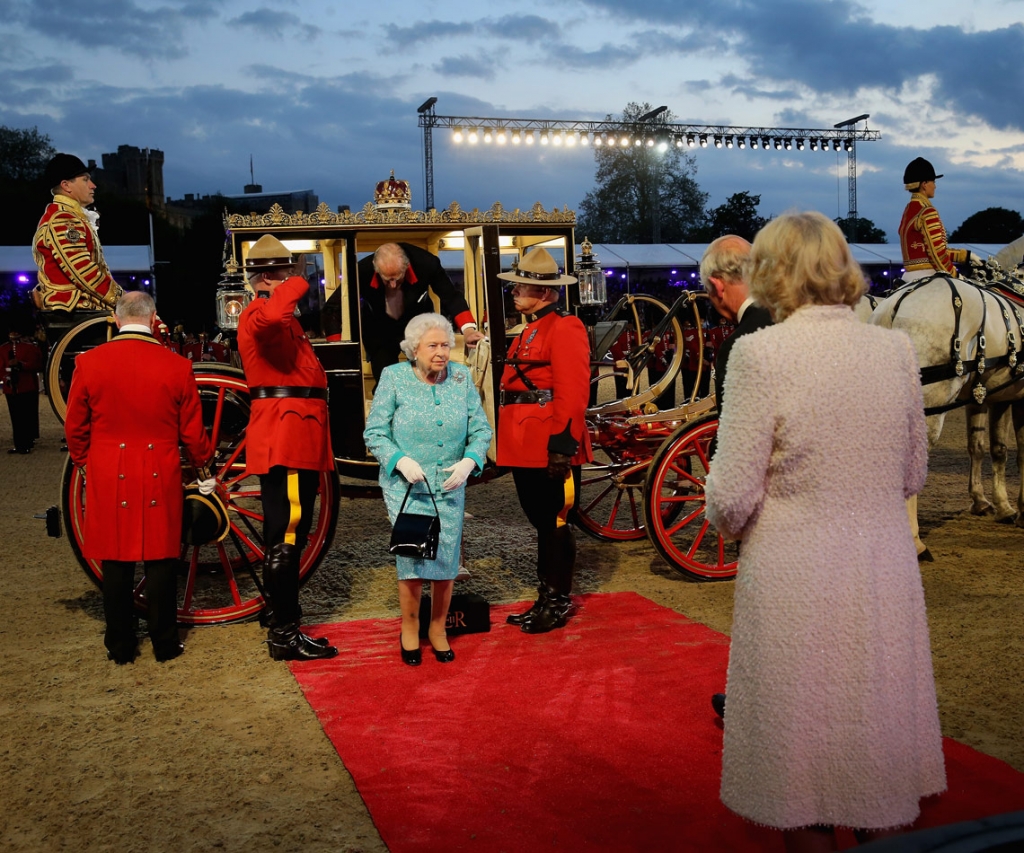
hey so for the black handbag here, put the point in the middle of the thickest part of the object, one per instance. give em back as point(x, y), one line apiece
point(414, 534)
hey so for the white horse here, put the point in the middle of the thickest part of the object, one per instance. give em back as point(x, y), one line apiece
point(969, 339)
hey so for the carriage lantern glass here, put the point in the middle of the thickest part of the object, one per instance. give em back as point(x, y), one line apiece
point(232, 297)
point(593, 289)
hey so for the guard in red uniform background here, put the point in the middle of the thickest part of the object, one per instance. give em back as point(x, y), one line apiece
point(66, 247)
point(922, 235)
point(20, 363)
point(542, 430)
point(131, 403)
point(288, 440)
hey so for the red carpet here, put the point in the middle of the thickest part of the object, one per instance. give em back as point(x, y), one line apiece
point(599, 736)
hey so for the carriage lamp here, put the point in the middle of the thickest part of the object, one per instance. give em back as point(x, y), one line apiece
point(232, 297)
point(593, 290)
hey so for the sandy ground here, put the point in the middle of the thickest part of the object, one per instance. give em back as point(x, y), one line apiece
point(219, 750)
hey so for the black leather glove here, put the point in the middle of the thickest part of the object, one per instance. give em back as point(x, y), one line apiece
point(558, 466)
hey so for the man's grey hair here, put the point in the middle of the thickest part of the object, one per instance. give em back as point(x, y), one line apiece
point(418, 326)
point(136, 305)
point(389, 256)
point(724, 259)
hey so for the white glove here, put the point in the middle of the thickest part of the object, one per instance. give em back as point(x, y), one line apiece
point(460, 473)
point(410, 469)
point(206, 487)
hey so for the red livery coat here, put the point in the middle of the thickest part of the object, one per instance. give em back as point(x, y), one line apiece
point(72, 272)
point(292, 431)
point(131, 403)
point(923, 239)
point(527, 431)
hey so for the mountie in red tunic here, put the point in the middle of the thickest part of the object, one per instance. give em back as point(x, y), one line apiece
point(72, 272)
point(923, 239)
point(289, 431)
point(131, 403)
point(552, 354)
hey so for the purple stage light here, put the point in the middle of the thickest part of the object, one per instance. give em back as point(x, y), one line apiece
point(23, 279)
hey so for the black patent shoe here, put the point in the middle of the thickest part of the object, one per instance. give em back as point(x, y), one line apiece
point(718, 703)
point(547, 618)
point(446, 656)
point(412, 658)
point(520, 618)
point(170, 652)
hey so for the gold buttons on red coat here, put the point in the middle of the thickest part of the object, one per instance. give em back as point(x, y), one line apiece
point(152, 503)
point(122, 445)
point(124, 503)
point(120, 476)
point(154, 473)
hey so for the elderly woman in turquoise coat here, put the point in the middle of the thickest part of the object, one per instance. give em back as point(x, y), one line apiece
point(427, 427)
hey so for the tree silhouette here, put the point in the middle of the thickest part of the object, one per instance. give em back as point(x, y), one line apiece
point(991, 225)
point(644, 194)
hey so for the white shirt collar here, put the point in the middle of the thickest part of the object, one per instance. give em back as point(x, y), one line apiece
point(746, 304)
point(136, 327)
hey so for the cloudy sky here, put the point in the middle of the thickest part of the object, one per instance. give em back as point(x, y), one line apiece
point(323, 95)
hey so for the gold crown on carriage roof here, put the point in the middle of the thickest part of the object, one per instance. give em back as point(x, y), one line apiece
point(393, 194)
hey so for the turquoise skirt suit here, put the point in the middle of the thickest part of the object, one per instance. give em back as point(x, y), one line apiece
point(437, 425)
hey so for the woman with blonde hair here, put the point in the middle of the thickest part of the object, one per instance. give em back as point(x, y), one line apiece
point(832, 717)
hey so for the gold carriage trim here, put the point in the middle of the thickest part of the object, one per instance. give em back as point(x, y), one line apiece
point(370, 215)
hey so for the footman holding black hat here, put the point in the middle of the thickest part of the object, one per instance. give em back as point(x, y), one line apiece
point(542, 431)
point(922, 235)
point(66, 247)
point(288, 440)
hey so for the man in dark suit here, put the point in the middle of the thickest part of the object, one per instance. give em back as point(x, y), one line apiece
point(394, 286)
point(132, 402)
point(721, 272)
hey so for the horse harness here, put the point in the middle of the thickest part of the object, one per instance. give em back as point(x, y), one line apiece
point(956, 366)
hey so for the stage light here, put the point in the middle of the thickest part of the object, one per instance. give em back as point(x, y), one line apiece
point(529, 137)
point(690, 141)
point(837, 144)
point(457, 135)
point(488, 134)
point(788, 144)
point(474, 136)
point(778, 144)
point(753, 143)
point(728, 142)
point(741, 142)
point(814, 145)
point(679, 142)
point(766, 143)
point(558, 138)
point(544, 137)
point(584, 138)
point(623, 140)
point(638, 142)
point(718, 141)
point(517, 137)
point(598, 141)
point(799, 145)
point(500, 136)
point(847, 144)
point(649, 142)
point(703, 140)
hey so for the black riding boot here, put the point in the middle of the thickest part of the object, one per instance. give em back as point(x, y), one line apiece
point(543, 550)
point(554, 610)
point(281, 582)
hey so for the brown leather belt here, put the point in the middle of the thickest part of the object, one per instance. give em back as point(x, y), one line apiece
point(541, 395)
point(266, 392)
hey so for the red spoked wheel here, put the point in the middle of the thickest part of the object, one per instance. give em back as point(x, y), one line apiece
point(610, 507)
point(219, 585)
point(674, 506)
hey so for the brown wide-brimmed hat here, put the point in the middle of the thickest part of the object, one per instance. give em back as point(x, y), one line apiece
point(538, 268)
point(268, 253)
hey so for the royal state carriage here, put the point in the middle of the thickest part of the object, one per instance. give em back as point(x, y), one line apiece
point(647, 478)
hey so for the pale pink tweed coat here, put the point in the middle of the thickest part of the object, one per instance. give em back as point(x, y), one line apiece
point(831, 715)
